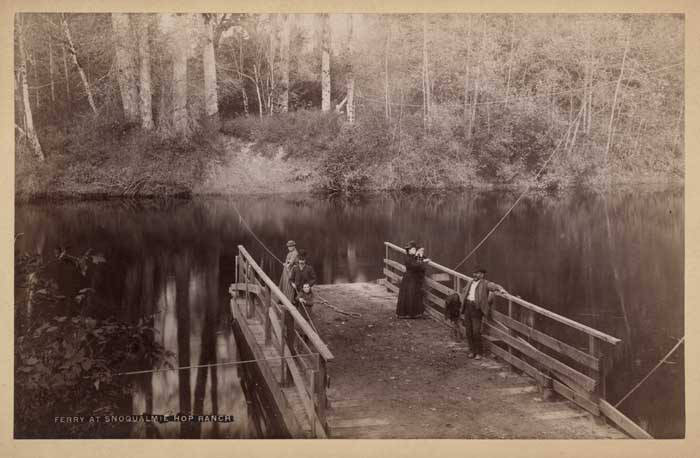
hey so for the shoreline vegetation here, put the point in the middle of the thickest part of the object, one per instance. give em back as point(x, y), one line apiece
point(150, 105)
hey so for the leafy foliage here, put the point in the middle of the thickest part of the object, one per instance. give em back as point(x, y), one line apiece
point(69, 365)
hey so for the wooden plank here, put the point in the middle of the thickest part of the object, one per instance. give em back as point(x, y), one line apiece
point(308, 330)
point(555, 344)
point(316, 426)
point(623, 422)
point(575, 397)
point(543, 358)
point(391, 286)
point(440, 303)
point(438, 286)
point(440, 276)
point(561, 319)
point(396, 265)
point(576, 388)
point(541, 379)
point(288, 415)
point(255, 289)
point(391, 274)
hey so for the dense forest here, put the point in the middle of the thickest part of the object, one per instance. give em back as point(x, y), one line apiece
point(153, 104)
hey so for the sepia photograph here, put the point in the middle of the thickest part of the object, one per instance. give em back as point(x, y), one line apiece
point(237, 225)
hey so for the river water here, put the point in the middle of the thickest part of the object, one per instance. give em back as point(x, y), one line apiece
point(614, 261)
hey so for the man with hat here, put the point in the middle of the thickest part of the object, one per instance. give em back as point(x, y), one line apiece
point(475, 304)
point(292, 255)
point(289, 263)
point(302, 274)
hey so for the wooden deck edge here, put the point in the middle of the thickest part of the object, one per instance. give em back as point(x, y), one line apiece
point(288, 415)
point(624, 423)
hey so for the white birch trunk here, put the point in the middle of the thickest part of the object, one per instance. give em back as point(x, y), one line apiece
point(180, 51)
point(74, 55)
point(211, 99)
point(284, 63)
point(351, 78)
point(614, 102)
point(53, 89)
point(126, 65)
point(145, 91)
point(28, 119)
point(65, 72)
point(325, 63)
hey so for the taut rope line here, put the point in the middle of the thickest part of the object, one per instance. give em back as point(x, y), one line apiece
point(544, 166)
point(323, 300)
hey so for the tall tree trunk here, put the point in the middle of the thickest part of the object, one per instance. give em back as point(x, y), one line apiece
point(240, 68)
point(256, 73)
point(387, 87)
point(28, 119)
point(589, 100)
point(180, 51)
point(126, 65)
point(475, 99)
point(679, 130)
point(53, 90)
point(74, 54)
point(211, 99)
point(426, 79)
point(272, 54)
point(510, 59)
point(65, 73)
point(325, 63)
point(244, 94)
point(351, 76)
point(284, 70)
point(614, 102)
point(145, 92)
point(466, 76)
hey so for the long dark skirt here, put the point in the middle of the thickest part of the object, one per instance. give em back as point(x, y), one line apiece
point(410, 303)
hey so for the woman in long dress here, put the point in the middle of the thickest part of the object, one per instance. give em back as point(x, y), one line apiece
point(289, 263)
point(410, 302)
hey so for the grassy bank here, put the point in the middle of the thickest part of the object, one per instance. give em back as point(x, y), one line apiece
point(311, 151)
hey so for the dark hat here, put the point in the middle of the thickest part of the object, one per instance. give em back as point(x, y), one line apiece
point(479, 269)
point(411, 244)
point(302, 254)
point(291, 243)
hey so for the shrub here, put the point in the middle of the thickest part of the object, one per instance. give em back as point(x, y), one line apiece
point(67, 365)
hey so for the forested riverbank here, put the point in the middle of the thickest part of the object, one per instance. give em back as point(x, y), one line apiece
point(183, 104)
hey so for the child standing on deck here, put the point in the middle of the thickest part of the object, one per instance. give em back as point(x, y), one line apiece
point(305, 300)
point(453, 304)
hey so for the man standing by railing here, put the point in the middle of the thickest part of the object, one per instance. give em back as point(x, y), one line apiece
point(476, 304)
point(302, 274)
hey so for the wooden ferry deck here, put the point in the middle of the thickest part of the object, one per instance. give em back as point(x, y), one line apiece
point(357, 371)
point(397, 378)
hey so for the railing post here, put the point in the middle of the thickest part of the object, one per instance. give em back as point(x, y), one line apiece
point(386, 266)
point(510, 331)
point(251, 302)
point(236, 271)
point(594, 350)
point(320, 380)
point(288, 339)
point(268, 321)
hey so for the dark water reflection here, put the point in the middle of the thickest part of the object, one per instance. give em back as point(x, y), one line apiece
point(613, 261)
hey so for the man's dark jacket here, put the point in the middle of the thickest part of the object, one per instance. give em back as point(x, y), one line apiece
point(301, 276)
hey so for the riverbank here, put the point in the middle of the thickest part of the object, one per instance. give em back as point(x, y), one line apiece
point(307, 152)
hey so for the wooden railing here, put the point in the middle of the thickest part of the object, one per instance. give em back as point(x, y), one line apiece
point(304, 356)
point(561, 354)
